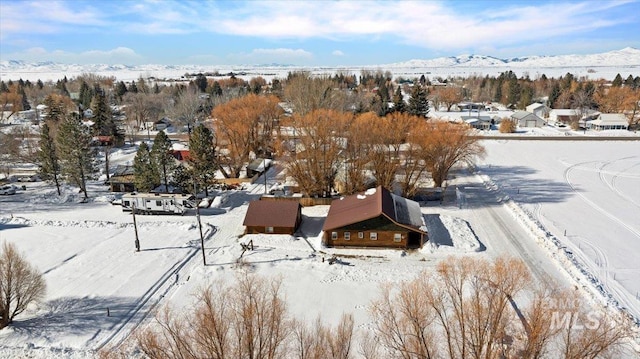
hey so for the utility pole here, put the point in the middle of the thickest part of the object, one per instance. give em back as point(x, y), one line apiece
point(135, 226)
point(264, 173)
point(204, 258)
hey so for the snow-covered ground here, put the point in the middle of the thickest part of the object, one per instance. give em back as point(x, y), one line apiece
point(100, 288)
point(586, 195)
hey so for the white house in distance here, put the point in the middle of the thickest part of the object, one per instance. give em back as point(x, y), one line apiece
point(527, 119)
point(609, 121)
point(563, 115)
point(538, 109)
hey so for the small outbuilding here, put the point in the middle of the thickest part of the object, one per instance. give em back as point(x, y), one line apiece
point(123, 179)
point(273, 216)
point(376, 218)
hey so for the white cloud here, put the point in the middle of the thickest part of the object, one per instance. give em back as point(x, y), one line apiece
point(337, 53)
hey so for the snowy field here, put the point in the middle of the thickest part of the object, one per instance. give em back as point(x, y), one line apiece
point(586, 195)
point(100, 289)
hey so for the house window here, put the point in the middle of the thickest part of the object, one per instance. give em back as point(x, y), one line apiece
point(397, 237)
point(373, 236)
point(334, 235)
point(269, 229)
point(127, 203)
point(347, 236)
point(361, 235)
point(159, 203)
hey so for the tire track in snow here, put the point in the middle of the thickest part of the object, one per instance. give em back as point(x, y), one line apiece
point(567, 178)
point(612, 185)
point(129, 325)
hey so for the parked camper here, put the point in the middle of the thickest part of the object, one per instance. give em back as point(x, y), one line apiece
point(157, 203)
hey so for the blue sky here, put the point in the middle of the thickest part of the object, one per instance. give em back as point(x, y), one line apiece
point(313, 33)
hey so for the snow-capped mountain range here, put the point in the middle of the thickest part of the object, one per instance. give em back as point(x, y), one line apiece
point(628, 56)
point(603, 65)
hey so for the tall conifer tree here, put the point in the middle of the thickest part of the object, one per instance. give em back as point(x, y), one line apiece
point(76, 157)
point(202, 157)
point(48, 157)
point(162, 158)
point(146, 175)
point(418, 103)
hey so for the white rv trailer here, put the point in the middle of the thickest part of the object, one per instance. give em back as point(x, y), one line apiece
point(157, 203)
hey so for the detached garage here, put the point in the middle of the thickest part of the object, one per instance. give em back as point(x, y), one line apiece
point(527, 119)
point(273, 216)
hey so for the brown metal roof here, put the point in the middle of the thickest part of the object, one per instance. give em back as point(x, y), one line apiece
point(361, 207)
point(272, 214)
point(356, 208)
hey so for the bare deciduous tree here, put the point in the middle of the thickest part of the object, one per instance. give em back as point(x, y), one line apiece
point(245, 125)
point(20, 284)
point(245, 320)
point(319, 133)
point(306, 93)
point(319, 341)
point(446, 144)
point(469, 308)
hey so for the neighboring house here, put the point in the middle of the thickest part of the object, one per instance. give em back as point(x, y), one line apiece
point(102, 141)
point(566, 116)
point(479, 122)
point(180, 155)
point(609, 121)
point(273, 216)
point(527, 119)
point(122, 179)
point(376, 218)
point(161, 124)
point(538, 109)
point(257, 166)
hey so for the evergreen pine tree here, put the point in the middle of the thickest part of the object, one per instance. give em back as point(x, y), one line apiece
point(617, 82)
point(61, 86)
point(629, 81)
point(85, 95)
point(56, 111)
point(398, 101)
point(418, 103)
point(133, 87)
point(102, 119)
point(40, 84)
point(3, 87)
point(202, 157)
point(182, 177)
point(25, 101)
point(48, 157)
point(554, 95)
point(216, 90)
point(121, 90)
point(74, 148)
point(162, 158)
point(146, 176)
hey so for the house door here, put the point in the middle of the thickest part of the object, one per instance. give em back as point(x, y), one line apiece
point(414, 240)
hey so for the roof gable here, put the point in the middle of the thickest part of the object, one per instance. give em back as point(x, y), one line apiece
point(371, 204)
point(272, 214)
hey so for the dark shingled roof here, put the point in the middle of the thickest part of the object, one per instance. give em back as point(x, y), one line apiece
point(361, 207)
point(272, 214)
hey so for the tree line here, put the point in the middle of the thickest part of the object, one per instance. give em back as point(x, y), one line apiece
point(246, 118)
point(465, 308)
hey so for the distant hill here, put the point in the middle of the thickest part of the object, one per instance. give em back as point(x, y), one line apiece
point(604, 65)
point(628, 56)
